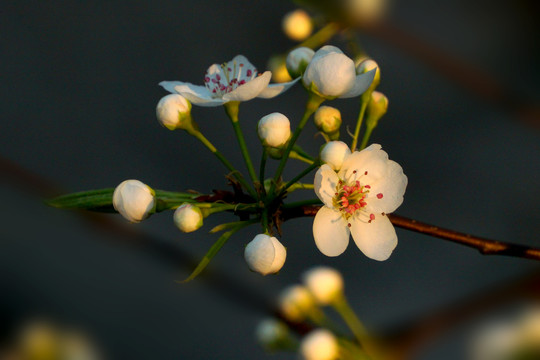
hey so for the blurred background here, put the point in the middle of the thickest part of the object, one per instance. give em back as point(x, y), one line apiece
point(79, 89)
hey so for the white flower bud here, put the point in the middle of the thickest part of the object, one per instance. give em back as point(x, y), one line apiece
point(320, 344)
point(298, 60)
point(265, 254)
point(332, 74)
point(324, 283)
point(365, 65)
point(334, 153)
point(274, 130)
point(134, 200)
point(297, 25)
point(188, 217)
point(173, 111)
point(365, 11)
point(295, 302)
point(327, 119)
point(272, 334)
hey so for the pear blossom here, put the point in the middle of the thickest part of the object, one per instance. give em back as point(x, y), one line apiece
point(356, 200)
point(324, 283)
point(298, 60)
point(188, 217)
point(331, 74)
point(236, 80)
point(334, 153)
point(265, 254)
point(327, 119)
point(297, 25)
point(274, 130)
point(319, 344)
point(173, 111)
point(134, 200)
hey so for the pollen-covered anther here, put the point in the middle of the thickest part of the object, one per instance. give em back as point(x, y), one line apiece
point(379, 196)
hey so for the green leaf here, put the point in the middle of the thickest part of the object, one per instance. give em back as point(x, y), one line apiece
point(98, 200)
point(215, 249)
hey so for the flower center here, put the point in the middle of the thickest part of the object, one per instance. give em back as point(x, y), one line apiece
point(227, 77)
point(350, 197)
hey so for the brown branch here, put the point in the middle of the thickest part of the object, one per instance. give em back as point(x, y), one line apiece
point(485, 246)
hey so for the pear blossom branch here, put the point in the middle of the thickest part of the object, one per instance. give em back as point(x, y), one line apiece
point(483, 245)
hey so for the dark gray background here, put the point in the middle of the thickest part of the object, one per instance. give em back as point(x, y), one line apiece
point(79, 88)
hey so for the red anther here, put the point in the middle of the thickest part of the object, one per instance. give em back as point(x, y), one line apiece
point(369, 221)
point(365, 173)
point(379, 196)
point(249, 72)
point(367, 186)
point(371, 216)
point(349, 224)
point(218, 77)
point(354, 172)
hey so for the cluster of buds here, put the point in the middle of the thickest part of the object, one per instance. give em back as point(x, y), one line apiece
point(322, 287)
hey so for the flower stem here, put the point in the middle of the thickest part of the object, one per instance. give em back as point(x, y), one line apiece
point(262, 168)
point(300, 186)
point(321, 36)
point(231, 108)
point(224, 160)
point(297, 156)
point(364, 99)
point(301, 175)
point(366, 137)
point(302, 203)
point(349, 316)
point(301, 151)
point(313, 103)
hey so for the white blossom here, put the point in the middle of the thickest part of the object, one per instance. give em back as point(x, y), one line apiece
point(188, 217)
point(334, 153)
point(274, 130)
point(332, 74)
point(319, 344)
point(265, 254)
point(297, 25)
point(356, 200)
point(324, 283)
point(298, 60)
point(134, 200)
point(236, 80)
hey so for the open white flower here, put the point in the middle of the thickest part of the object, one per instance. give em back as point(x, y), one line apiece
point(236, 80)
point(332, 74)
point(356, 200)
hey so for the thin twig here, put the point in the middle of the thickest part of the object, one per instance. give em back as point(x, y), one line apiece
point(485, 246)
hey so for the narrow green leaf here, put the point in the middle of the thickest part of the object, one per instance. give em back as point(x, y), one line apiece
point(93, 199)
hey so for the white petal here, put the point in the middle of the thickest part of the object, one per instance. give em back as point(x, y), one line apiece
point(250, 89)
point(273, 90)
point(361, 84)
point(325, 183)
point(377, 239)
point(198, 95)
point(330, 232)
point(169, 85)
point(280, 255)
point(386, 194)
point(325, 50)
point(241, 59)
point(372, 160)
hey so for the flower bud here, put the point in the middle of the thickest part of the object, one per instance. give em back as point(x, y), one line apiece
point(365, 65)
point(328, 120)
point(324, 283)
point(334, 153)
point(295, 302)
point(320, 344)
point(365, 11)
point(276, 64)
point(188, 217)
point(298, 60)
point(272, 334)
point(376, 108)
point(134, 200)
point(174, 112)
point(297, 25)
point(332, 74)
point(274, 130)
point(265, 254)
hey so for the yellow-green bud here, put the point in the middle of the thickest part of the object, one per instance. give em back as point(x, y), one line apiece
point(297, 25)
point(188, 217)
point(298, 60)
point(324, 283)
point(295, 302)
point(272, 334)
point(276, 64)
point(365, 65)
point(319, 344)
point(376, 108)
point(328, 120)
